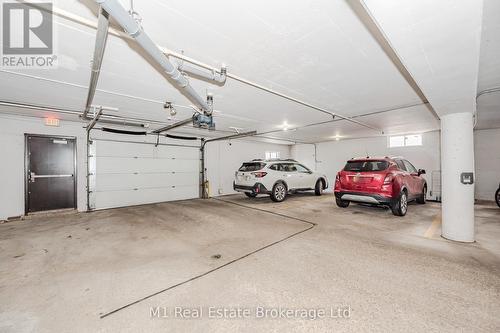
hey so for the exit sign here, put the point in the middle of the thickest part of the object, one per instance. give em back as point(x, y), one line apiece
point(51, 121)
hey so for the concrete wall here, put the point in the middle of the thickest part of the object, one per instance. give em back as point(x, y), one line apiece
point(333, 155)
point(487, 156)
point(225, 157)
point(12, 130)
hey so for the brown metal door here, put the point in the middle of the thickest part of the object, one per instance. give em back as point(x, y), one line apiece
point(50, 173)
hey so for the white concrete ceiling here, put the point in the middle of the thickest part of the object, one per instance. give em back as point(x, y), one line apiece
point(317, 50)
point(438, 42)
point(488, 92)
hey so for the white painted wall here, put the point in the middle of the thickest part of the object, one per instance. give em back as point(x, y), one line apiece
point(305, 154)
point(12, 130)
point(223, 158)
point(487, 155)
point(333, 155)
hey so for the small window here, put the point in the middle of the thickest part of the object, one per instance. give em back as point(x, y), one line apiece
point(405, 140)
point(413, 140)
point(272, 155)
point(396, 141)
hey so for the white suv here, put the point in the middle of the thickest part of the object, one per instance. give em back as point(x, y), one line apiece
point(277, 178)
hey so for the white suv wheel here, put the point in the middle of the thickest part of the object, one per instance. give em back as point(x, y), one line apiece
point(279, 192)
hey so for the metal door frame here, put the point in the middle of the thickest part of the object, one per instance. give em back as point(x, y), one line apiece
point(27, 162)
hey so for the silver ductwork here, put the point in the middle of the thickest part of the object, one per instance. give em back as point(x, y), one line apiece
point(100, 46)
point(133, 28)
point(212, 75)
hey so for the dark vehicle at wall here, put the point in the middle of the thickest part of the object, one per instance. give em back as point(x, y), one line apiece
point(497, 196)
point(384, 181)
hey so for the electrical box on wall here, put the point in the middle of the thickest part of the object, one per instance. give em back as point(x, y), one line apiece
point(467, 178)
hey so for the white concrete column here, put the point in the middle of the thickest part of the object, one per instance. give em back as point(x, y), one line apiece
point(457, 156)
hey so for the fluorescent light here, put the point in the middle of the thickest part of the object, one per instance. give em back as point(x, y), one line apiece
point(336, 137)
point(285, 126)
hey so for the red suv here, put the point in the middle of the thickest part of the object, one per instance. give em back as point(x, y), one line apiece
point(382, 181)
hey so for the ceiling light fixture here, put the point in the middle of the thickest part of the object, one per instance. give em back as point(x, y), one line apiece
point(236, 129)
point(336, 137)
point(168, 106)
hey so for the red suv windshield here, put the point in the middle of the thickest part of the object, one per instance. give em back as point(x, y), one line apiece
point(363, 166)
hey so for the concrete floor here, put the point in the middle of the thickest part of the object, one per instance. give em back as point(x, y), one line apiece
point(62, 273)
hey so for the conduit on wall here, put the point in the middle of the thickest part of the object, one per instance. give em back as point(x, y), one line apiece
point(203, 185)
point(100, 46)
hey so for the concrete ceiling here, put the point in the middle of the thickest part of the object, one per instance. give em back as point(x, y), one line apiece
point(317, 51)
point(488, 92)
point(439, 42)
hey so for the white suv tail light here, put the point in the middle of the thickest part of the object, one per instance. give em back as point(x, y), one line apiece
point(259, 174)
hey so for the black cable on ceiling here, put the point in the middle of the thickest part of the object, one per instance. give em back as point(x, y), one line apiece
point(181, 137)
point(118, 131)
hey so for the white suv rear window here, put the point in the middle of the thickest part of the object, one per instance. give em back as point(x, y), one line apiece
point(246, 167)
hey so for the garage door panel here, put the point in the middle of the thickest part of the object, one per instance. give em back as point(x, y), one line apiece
point(179, 153)
point(114, 182)
point(110, 199)
point(124, 149)
point(128, 149)
point(144, 165)
point(126, 174)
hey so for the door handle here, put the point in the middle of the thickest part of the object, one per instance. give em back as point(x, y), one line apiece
point(33, 176)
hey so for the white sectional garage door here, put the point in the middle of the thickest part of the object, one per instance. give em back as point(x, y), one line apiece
point(126, 174)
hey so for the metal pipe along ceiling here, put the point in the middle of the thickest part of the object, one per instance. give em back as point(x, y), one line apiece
point(135, 31)
point(271, 91)
point(207, 75)
point(228, 137)
point(174, 125)
point(89, 23)
point(109, 119)
point(100, 46)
